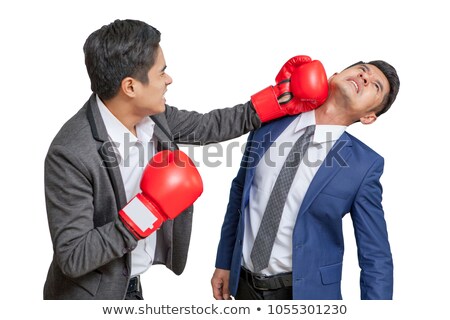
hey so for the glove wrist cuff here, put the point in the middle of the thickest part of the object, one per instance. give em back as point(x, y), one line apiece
point(141, 217)
point(266, 104)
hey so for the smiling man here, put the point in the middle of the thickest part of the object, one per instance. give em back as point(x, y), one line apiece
point(282, 234)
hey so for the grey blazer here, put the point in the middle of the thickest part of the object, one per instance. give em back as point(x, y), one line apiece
point(84, 192)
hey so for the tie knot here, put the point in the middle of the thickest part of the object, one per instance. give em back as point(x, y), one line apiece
point(309, 131)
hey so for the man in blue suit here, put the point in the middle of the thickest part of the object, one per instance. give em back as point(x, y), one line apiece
point(338, 174)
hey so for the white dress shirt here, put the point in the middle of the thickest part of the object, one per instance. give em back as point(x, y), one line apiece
point(133, 155)
point(266, 174)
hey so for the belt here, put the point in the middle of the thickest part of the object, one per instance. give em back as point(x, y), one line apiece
point(262, 282)
point(134, 285)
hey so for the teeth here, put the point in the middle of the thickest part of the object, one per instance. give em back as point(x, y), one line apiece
point(355, 84)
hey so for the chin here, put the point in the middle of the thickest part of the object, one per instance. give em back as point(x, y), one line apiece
point(159, 109)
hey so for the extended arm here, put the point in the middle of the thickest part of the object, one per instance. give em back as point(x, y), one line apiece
point(301, 85)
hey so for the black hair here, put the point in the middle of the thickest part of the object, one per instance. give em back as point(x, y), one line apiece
point(123, 48)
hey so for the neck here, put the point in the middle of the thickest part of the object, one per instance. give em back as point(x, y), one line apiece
point(329, 114)
point(123, 111)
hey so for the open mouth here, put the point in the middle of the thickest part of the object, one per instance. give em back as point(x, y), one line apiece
point(356, 85)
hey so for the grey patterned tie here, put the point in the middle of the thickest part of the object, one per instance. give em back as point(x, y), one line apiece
point(270, 222)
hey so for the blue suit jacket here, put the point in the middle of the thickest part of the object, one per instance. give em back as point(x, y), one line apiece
point(346, 182)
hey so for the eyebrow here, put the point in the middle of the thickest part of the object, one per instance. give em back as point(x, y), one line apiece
point(366, 68)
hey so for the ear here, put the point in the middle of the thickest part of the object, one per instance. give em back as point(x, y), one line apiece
point(128, 86)
point(332, 76)
point(368, 118)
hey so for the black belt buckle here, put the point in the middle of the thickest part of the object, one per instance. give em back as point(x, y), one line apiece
point(258, 280)
point(134, 284)
point(264, 283)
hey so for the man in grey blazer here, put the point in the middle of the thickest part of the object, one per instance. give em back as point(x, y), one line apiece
point(90, 174)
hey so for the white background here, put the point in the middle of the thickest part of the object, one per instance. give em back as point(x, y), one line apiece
point(218, 54)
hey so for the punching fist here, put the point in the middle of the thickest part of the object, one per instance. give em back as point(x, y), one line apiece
point(301, 85)
point(170, 183)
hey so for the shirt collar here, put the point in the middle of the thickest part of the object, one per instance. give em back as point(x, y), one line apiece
point(120, 134)
point(322, 133)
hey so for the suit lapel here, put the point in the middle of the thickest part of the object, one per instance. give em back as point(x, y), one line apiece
point(262, 139)
point(174, 234)
point(335, 160)
point(106, 151)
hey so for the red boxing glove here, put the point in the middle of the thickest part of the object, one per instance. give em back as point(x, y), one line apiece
point(302, 85)
point(170, 183)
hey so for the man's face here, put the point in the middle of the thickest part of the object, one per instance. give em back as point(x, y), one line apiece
point(150, 98)
point(359, 90)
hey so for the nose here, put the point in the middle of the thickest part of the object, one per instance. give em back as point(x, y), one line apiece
point(365, 77)
point(168, 79)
